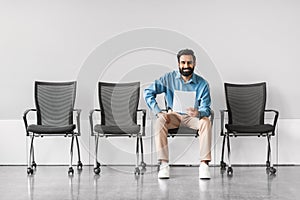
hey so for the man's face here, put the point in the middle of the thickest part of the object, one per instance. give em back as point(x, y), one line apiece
point(186, 65)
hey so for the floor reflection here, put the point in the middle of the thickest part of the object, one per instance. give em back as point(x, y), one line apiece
point(139, 186)
point(95, 184)
point(53, 183)
point(30, 187)
point(74, 185)
point(163, 185)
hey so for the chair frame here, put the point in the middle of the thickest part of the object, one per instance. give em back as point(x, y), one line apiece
point(31, 164)
point(139, 139)
point(227, 134)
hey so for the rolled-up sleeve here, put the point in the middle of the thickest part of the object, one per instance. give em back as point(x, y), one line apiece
point(204, 102)
point(150, 95)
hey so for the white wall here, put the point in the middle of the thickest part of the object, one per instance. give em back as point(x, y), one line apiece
point(235, 41)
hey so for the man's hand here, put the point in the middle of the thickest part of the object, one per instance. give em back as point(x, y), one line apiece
point(165, 116)
point(193, 112)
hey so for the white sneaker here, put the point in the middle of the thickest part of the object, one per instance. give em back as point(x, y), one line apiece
point(164, 171)
point(204, 172)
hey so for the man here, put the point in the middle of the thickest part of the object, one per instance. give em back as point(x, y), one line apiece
point(195, 117)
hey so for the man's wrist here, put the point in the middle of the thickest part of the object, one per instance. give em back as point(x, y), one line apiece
point(157, 114)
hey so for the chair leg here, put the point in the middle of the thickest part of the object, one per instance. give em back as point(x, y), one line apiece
point(222, 163)
point(33, 163)
point(79, 164)
point(229, 170)
point(268, 153)
point(97, 165)
point(71, 171)
point(269, 166)
point(143, 164)
point(30, 156)
point(137, 170)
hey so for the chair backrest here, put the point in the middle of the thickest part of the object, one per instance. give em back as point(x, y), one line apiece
point(245, 103)
point(55, 102)
point(119, 103)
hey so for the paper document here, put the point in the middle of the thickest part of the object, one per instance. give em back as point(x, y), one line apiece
point(183, 100)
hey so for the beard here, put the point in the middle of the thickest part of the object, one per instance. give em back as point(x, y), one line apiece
point(186, 71)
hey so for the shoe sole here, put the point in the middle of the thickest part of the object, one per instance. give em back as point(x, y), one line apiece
point(204, 178)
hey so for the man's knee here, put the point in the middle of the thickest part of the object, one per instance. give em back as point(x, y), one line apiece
point(204, 122)
point(160, 122)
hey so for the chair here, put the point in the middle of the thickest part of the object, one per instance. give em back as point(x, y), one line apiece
point(246, 117)
point(54, 114)
point(118, 112)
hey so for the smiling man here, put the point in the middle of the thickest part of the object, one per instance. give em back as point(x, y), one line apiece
point(196, 117)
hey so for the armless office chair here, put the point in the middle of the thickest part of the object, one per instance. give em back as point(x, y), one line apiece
point(246, 117)
point(118, 112)
point(54, 113)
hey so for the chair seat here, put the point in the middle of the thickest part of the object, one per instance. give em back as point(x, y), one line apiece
point(116, 130)
point(263, 128)
point(51, 129)
point(183, 131)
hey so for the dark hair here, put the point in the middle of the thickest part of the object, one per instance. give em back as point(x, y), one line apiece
point(186, 52)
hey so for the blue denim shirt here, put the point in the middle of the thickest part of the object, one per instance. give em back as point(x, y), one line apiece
point(173, 81)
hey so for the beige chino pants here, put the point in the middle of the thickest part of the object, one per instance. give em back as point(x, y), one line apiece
point(203, 126)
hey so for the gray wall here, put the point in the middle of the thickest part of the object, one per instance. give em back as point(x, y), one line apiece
point(88, 41)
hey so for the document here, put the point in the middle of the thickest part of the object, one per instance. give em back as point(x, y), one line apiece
point(183, 100)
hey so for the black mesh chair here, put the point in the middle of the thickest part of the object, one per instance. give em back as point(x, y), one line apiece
point(246, 117)
point(118, 113)
point(54, 114)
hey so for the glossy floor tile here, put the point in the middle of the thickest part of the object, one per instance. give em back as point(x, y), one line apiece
point(119, 182)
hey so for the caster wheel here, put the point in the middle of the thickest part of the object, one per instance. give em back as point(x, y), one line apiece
point(71, 171)
point(33, 165)
point(223, 165)
point(143, 171)
point(143, 164)
point(29, 171)
point(137, 171)
point(268, 164)
point(98, 164)
point(272, 171)
point(97, 170)
point(229, 171)
point(79, 165)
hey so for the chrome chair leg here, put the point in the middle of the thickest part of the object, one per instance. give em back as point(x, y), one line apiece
point(30, 156)
point(137, 170)
point(229, 170)
point(143, 164)
point(269, 166)
point(97, 165)
point(79, 163)
point(71, 170)
point(222, 163)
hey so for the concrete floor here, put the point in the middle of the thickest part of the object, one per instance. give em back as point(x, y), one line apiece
point(119, 182)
